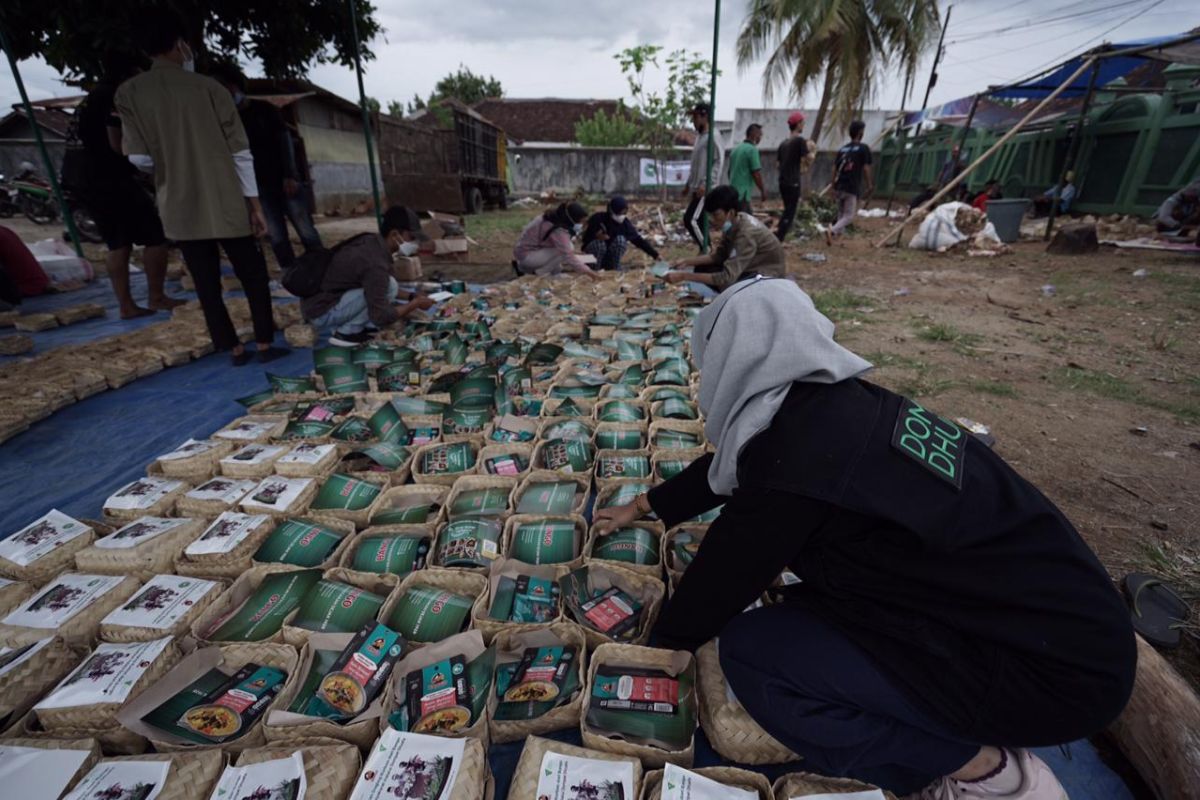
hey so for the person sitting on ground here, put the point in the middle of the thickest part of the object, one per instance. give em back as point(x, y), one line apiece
point(745, 168)
point(1042, 204)
point(947, 614)
point(991, 191)
point(609, 232)
point(1180, 211)
point(922, 198)
point(544, 246)
point(747, 247)
point(358, 289)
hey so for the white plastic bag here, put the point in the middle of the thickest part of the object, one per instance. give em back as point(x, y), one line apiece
point(59, 262)
point(938, 230)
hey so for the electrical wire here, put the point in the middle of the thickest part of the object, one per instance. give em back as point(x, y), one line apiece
point(1043, 22)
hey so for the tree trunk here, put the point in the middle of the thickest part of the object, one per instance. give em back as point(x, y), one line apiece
point(818, 124)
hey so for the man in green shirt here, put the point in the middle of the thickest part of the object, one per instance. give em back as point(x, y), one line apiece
point(745, 168)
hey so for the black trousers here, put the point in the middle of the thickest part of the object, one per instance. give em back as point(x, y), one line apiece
point(691, 219)
point(791, 201)
point(203, 259)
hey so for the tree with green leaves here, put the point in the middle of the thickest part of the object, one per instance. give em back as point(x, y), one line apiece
point(621, 129)
point(464, 86)
point(76, 37)
point(395, 108)
point(372, 104)
point(846, 45)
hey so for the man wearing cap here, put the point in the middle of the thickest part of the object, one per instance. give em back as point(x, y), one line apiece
point(609, 232)
point(358, 289)
point(694, 190)
point(793, 158)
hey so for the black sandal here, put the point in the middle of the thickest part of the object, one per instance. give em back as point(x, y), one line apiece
point(1159, 613)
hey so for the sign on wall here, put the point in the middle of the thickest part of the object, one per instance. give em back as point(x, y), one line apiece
point(658, 173)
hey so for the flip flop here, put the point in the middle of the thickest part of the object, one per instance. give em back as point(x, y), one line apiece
point(1159, 613)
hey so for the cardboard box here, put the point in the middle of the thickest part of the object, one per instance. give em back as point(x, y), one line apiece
point(407, 268)
point(443, 247)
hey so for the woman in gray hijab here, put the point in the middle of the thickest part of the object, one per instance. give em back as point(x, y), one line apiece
point(942, 615)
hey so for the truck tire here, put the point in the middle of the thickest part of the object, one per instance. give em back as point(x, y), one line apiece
point(474, 199)
point(502, 201)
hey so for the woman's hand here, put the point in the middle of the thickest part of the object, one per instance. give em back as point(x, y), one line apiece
point(610, 519)
point(678, 277)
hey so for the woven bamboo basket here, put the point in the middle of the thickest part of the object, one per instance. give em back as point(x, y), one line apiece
point(468, 584)
point(649, 591)
point(469, 483)
point(803, 784)
point(296, 508)
point(481, 612)
point(403, 496)
point(32, 323)
point(598, 411)
point(674, 662)
point(162, 508)
point(477, 437)
point(656, 411)
point(104, 715)
point(539, 460)
point(510, 645)
point(192, 776)
point(620, 427)
point(198, 468)
point(674, 570)
point(230, 599)
point(329, 457)
point(13, 593)
point(344, 528)
point(730, 728)
point(112, 632)
point(547, 424)
point(685, 456)
point(15, 345)
point(195, 505)
point(143, 560)
point(230, 466)
point(78, 313)
point(358, 517)
point(226, 565)
point(521, 449)
point(26, 683)
point(649, 570)
point(329, 770)
point(300, 335)
point(113, 739)
point(655, 393)
point(232, 658)
point(551, 404)
point(386, 480)
point(59, 559)
point(83, 627)
point(517, 520)
point(583, 482)
point(350, 551)
point(265, 427)
point(434, 421)
point(447, 479)
point(474, 781)
point(605, 482)
point(529, 767)
point(694, 427)
point(378, 584)
point(91, 746)
point(730, 776)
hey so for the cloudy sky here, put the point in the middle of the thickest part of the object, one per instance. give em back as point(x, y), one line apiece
point(564, 48)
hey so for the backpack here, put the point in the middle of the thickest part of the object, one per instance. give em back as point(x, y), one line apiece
point(307, 273)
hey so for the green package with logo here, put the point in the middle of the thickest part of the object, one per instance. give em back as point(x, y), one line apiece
point(544, 678)
point(394, 555)
point(567, 455)
point(569, 408)
point(397, 376)
point(546, 541)
point(674, 408)
point(659, 351)
point(629, 439)
point(426, 614)
point(256, 398)
point(667, 439)
point(525, 599)
point(219, 707)
point(418, 405)
point(569, 429)
point(358, 674)
point(382, 457)
point(629, 351)
point(478, 329)
point(262, 614)
point(633, 375)
point(667, 394)
point(412, 511)
point(544, 353)
point(630, 545)
point(625, 494)
point(352, 429)
point(305, 430)
point(325, 409)
point(475, 392)
point(621, 391)
point(668, 468)
point(668, 377)
point(332, 356)
point(469, 543)
point(448, 459)
point(557, 497)
point(372, 356)
point(621, 411)
point(386, 424)
point(344, 493)
point(465, 420)
point(623, 466)
point(455, 350)
point(490, 501)
point(345, 379)
point(282, 384)
point(300, 543)
point(517, 380)
point(501, 351)
point(335, 607)
point(563, 390)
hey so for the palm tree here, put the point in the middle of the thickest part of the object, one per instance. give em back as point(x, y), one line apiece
point(847, 44)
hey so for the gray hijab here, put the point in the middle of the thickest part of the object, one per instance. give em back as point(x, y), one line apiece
point(755, 340)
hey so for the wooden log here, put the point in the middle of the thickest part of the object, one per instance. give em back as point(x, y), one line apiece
point(1159, 731)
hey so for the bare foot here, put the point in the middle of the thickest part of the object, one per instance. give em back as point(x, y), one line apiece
point(135, 312)
point(166, 303)
point(828, 238)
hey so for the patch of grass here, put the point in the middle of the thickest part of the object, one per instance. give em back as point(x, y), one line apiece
point(1184, 289)
point(1102, 384)
point(997, 388)
point(882, 360)
point(1079, 289)
point(841, 304)
point(962, 343)
point(492, 227)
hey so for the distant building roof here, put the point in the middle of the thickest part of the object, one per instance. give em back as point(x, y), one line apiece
point(544, 119)
point(52, 121)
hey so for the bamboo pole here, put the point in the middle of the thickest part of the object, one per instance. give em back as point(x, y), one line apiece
point(931, 202)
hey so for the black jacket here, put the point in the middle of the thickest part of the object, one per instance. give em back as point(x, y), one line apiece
point(979, 598)
point(624, 228)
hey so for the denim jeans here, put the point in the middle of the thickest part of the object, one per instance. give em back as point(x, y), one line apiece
point(277, 209)
point(350, 314)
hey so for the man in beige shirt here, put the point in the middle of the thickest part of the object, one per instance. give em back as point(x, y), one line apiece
point(185, 129)
point(747, 247)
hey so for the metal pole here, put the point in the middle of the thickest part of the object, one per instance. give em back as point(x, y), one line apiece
point(47, 164)
point(366, 115)
point(936, 58)
point(712, 119)
point(965, 132)
point(1072, 151)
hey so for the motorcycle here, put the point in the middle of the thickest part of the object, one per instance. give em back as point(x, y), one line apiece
point(34, 198)
point(8, 199)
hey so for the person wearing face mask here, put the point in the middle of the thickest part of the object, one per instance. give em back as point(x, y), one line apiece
point(184, 129)
point(544, 246)
point(609, 232)
point(747, 247)
point(358, 290)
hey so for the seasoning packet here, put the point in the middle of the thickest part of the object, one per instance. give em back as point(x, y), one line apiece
point(544, 678)
point(469, 543)
point(644, 705)
point(218, 707)
point(395, 555)
point(447, 696)
point(427, 614)
point(610, 611)
point(525, 599)
point(358, 674)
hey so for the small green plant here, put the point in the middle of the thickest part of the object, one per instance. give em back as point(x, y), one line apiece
point(963, 343)
point(840, 304)
point(602, 130)
point(996, 388)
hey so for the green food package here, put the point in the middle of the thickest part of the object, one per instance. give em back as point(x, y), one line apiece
point(569, 429)
point(546, 541)
point(557, 497)
point(448, 459)
point(645, 706)
point(525, 599)
point(322, 663)
point(372, 356)
point(667, 439)
point(668, 468)
point(469, 543)
point(300, 543)
point(562, 390)
point(570, 408)
point(674, 408)
point(612, 611)
point(455, 350)
point(621, 411)
point(490, 501)
point(544, 678)
point(410, 511)
point(544, 353)
point(398, 376)
point(327, 409)
point(669, 377)
point(624, 494)
point(668, 393)
point(283, 384)
point(517, 380)
point(629, 351)
point(418, 405)
point(473, 392)
point(567, 455)
point(621, 391)
point(333, 356)
point(630, 545)
point(219, 707)
point(345, 379)
point(382, 457)
point(394, 555)
point(256, 398)
point(444, 383)
point(513, 429)
point(335, 607)
point(352, 429)
point(633, 375)
point(684, 547)
point(627, 439)
point(501, 351)
point(305, 430)
point(262, 614)
point(358, 674)
point(622, 466)
point(344, 493)
point(386, 424)
point(466, 420)
point(426, 614)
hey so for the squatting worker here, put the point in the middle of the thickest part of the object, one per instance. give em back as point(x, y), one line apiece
point(544, 246)
point(948, 615)
point(747, 247)
point(697, 181)
point(185, 129)
point(609, 232)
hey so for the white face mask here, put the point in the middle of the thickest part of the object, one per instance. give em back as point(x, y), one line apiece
point(189, 58)
point(409, 248)
point(577, 229)
point(618, 218)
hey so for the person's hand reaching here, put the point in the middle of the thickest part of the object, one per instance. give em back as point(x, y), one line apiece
point(422, 303)
point(610, 519)
point(677, 277)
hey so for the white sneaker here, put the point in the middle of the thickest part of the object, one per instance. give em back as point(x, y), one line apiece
point(1037, 783)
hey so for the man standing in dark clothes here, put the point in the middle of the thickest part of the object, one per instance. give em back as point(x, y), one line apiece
point(947, 617)
point(851, 179)
point(609, 232)
point(792, 160)
point(274, 168)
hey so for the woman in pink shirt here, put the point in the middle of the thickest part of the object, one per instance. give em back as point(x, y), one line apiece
point(544, 246)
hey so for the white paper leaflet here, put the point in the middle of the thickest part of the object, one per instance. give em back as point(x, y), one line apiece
point(107, 675)
point(60, 600)
point(570, 778)
point(160, 603)
point(410, 765)
point(36, 540)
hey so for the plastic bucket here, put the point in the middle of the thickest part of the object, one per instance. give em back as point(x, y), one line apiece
point(1006, 216)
